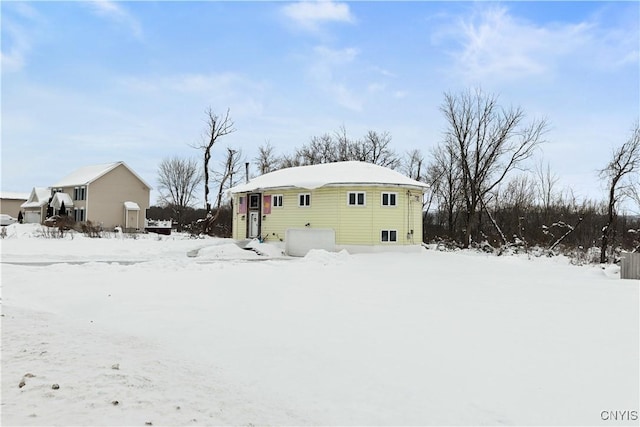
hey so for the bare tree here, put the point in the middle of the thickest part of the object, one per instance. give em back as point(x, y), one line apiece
point(231, 167)
point(624, 162)
point(266, 159)
point(413, 165)
point(178, 179)
point(377, 150)
point(374, 148)
point(445, 178)
point(489, 142)
point(217, 126)
point(546, 182)
point(321, 149)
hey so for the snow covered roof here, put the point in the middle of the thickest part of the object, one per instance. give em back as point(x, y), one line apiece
point(131, 206)
point(329, 174)
point(9, 195)
point(59, 199)
point(39, 197)
point(87, 174)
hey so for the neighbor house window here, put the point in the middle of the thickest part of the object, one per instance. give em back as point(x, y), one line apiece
point(277, 200)
point(78, 214)
point(304, 199)
point(356, 198)
point(389, 199)
point(389, 235)
point(79, 193)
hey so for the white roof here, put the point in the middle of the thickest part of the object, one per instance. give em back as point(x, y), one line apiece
point(329, 174)
point(87, 174)
point(60, 198)
point(131, 206)
point(39, 197)
point(9, 195)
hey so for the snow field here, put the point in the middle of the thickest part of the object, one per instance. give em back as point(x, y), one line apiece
point(428, 338)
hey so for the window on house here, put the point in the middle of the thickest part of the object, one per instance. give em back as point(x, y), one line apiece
point(304, 199)
point(389, 199)
point(78, 214)
point(254, 201)
point(277, 201)
point(356, 198)
point(389, 236)
point(79, 193)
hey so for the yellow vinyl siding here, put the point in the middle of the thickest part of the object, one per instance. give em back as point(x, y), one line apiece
point(321, 213)
point(354, 225)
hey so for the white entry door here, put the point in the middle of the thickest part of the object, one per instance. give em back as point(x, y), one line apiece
point(254, 226)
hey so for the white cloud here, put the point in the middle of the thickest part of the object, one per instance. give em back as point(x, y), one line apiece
point(310, 15)
point(17, 40)
point(323, 72)
point(243, 95)
point(495, 44)
point(114, 11)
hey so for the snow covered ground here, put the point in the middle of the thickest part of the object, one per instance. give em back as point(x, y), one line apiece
point(201, 332)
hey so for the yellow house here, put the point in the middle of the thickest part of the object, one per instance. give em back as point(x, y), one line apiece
point(109, 195)
point(356, 206)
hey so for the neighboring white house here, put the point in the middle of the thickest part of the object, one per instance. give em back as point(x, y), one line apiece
point(109, 195)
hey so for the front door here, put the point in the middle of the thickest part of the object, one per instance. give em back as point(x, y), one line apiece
point(254, 225)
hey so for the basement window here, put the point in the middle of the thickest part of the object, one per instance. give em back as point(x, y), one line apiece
point(389, 235)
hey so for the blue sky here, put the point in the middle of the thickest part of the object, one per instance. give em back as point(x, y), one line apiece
point(95, 82)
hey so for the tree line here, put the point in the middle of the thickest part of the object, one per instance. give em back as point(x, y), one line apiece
point(485, 190)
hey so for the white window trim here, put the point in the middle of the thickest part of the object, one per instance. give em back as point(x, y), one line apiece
point(389, 234)
point(273, 201)
point(356, 205)
point(301, 205)
point(389, 193)
point(79, 214)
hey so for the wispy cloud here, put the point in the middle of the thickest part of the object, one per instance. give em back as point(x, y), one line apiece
point(322, 72)
point(17, 40)
point(13, 58)
point(117, 13)
point(310, 15)
point(242, 94)
point(493, 44)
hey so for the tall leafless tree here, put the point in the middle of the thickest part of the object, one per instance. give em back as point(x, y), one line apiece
point(624, 163)
point(445, 177)
point(266, 159)
point(231, 167)
point(489, 141)
point(217, 127)
point(546, 182)
point(379, 149)
point(413, 165)
point(178, 180)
